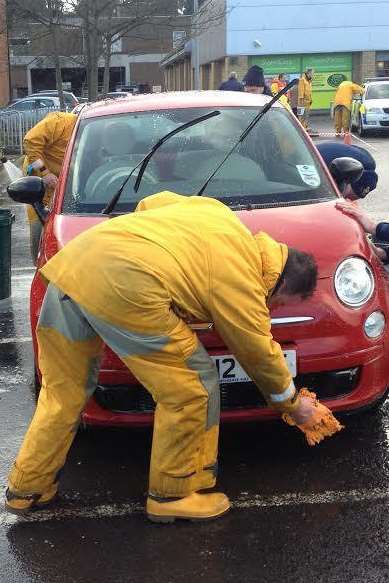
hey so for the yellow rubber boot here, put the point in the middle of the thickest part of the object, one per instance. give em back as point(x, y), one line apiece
point(17, 504)
point(193, 507)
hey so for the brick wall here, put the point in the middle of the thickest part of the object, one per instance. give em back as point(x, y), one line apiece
point(238, 64)
point(147, 73)
point(368, 64)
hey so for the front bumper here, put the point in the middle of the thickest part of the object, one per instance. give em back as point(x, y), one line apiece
point(377, 121)
point(361, 384)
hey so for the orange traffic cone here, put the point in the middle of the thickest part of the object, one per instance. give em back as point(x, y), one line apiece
point(348, 139)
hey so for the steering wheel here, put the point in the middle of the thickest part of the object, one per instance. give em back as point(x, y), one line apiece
point(108, 180)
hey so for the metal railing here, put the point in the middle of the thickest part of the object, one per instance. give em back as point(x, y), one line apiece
point(15, 124)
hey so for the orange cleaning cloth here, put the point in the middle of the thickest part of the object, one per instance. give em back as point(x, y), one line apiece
point(322, 423)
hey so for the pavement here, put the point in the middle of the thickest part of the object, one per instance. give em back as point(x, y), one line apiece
point(300, 514)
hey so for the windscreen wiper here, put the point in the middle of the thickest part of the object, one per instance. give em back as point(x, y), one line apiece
point(144, 162)
point(245, 133)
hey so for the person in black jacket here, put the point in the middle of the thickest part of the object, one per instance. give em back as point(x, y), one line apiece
point(368, 181)
point(232, 83)
point(357, 190)
point(254, 81)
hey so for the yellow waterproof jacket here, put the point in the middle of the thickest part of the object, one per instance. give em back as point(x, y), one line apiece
point(48, 140)
point(210, 265)
point(345, 92)
point(304, 92)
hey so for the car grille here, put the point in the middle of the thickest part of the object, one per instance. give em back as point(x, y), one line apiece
point(234, 396)
point(384, 123)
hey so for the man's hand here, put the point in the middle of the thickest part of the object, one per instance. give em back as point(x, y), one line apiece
point(381, 253)
point(304, 411)
point(50, 181)
point(366, 222)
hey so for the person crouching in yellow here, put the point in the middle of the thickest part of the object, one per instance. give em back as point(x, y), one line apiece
point(44, 147)
point(175, 258)
point(343, 104)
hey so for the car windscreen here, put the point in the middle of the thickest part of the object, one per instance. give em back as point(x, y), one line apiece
point(378, 91)
point(273, 165)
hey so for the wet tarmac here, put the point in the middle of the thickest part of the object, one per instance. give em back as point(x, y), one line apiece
point(300, 514)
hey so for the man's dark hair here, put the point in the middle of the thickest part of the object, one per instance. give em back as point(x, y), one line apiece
point(300, 274)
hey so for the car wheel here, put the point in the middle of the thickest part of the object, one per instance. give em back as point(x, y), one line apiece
point(361, 131)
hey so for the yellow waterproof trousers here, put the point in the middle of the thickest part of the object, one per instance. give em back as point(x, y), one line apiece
point(342, 119)
point(304, 119)
point(171, 364)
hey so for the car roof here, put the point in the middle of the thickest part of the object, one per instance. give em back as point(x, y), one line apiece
point(51, 92)
point(383, 82)
point(34, 97)
point(174, 100)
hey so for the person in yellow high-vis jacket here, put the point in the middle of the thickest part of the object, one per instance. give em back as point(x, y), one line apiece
point(44, 147)
point(305, 97)
point(133, 282)
point(277, 84)
point(343, 103)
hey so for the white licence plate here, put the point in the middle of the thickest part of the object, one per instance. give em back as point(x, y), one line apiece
point(230, 371)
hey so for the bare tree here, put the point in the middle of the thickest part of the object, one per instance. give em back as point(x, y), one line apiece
point(50, 14)
point(106, 21)
point(55, 13)
point(102, 22)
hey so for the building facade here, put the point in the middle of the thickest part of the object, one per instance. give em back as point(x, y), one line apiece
point(135, 57)
point(4, 61)
point(343, 40)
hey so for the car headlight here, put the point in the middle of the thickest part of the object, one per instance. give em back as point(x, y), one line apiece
point(373, 110)
point(354, 282)
point(374, 324)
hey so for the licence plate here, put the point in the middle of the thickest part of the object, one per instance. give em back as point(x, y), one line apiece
point(230, 371)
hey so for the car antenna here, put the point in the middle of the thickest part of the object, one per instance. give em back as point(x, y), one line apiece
point(245, 133)
point(143, 163)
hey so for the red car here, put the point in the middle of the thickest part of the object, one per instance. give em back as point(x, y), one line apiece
point(335, 343)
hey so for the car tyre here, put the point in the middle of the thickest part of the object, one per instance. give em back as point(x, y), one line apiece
point(360, 129)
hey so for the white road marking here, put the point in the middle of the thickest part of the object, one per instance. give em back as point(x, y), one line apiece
point(243, 502)
point(341, 138)
point(16, 340)
point(23, 268)
point(365, 143)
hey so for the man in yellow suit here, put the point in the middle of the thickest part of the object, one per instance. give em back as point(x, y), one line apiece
point(133, 282)
point(305, 97)
point(44, 147)
point(343, 104)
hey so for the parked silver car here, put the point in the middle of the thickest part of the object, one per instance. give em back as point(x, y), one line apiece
point(18, 118)
point(370, 112)
point(71, 101)
point(34, 108)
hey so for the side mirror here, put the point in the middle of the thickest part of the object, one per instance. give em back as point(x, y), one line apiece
point(28, 190)
point(345, 171)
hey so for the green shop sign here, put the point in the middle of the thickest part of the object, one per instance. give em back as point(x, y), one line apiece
point(329, 81)
point(278, 63)
point(334, 62)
